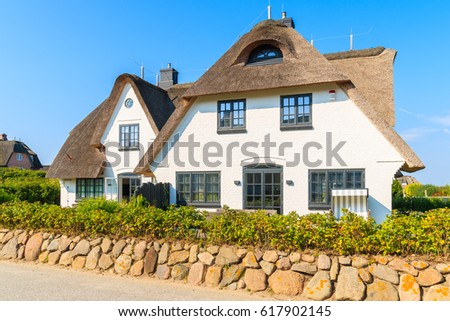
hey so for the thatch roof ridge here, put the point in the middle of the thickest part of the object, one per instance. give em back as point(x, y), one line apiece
point(368, 52)
point(268, 22)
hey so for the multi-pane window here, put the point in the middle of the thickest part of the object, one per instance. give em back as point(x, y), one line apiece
point(89, 187)
point(296, 110)
point(129, 136)
point(265, 54)
point(198, 188)
point(321, 182)
point(231, 114)
point(19, 157)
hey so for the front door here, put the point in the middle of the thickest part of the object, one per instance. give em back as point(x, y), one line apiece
point(263, 187)
point(128, 185)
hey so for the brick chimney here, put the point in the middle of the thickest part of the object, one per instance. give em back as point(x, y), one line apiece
point(288, 22)
point(3, 137)
point(168, 77)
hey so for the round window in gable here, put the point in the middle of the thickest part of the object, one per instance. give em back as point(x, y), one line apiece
point(128, 103)
point(265, 54)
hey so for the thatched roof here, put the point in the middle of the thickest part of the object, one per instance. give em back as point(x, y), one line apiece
point(176, 93)
point(82, 155)
point(371, 71)
point(8, 147)
point(412, 161)
point(365, 75)
point(302, 64)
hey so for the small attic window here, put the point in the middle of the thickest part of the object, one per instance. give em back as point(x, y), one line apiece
point(265, 55)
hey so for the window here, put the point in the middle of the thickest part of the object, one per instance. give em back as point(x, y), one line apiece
point(296, 111)
point(321, 182)
point(19, 157)
point(198, 188)
point(231, 115)
point(89, 187)
point(265, 55)
point(129, 137)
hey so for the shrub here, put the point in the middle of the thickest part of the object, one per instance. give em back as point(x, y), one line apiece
point(237, 227)
point(5, 197)
point(317, 231)
point(355, 234)
point(28, 185)
point(415, 232)
point(397, 190)
point(419, 204)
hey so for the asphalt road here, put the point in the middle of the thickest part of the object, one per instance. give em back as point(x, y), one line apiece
point(30, 281)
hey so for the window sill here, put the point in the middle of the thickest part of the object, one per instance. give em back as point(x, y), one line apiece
point(225, 131)
point(319, 207)
point(122, 149)
point(265, 62)
point(296, 127)
point(205, 205)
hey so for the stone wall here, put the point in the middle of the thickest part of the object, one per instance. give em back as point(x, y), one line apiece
point(298, 275)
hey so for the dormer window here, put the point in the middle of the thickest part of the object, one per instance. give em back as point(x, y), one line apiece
point(265, 55)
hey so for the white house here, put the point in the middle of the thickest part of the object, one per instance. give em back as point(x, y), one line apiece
point(273, 124)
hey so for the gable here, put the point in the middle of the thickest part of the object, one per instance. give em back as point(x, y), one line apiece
point(82, 155)
point(136, 114)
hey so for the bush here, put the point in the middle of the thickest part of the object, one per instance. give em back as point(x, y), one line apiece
point(102, 217)
point(28, 185)
point(415, 232)
point(397, 189)
point(316, 231)
point(419, 204)
point(355, 234)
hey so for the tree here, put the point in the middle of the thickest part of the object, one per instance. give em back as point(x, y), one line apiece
point(397, 190)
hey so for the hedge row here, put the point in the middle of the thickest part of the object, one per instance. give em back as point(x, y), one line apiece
point(419, 233)
point(421, 204)
point(27, 185)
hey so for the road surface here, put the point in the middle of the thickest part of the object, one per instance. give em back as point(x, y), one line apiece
point(31, 281)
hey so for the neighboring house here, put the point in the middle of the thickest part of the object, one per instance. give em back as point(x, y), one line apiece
point(17, 154)
point(273, 124)
point(405, 180)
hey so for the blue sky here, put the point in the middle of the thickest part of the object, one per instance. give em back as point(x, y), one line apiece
point(59, 59)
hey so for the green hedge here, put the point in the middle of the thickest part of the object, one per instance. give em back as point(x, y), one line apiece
point(98, 216)
point(419, 204)
point(27, 185)
point(419, 233)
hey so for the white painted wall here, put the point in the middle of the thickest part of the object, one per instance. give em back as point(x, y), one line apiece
point(122, 162)
point(68, 192)
point(365, 146)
